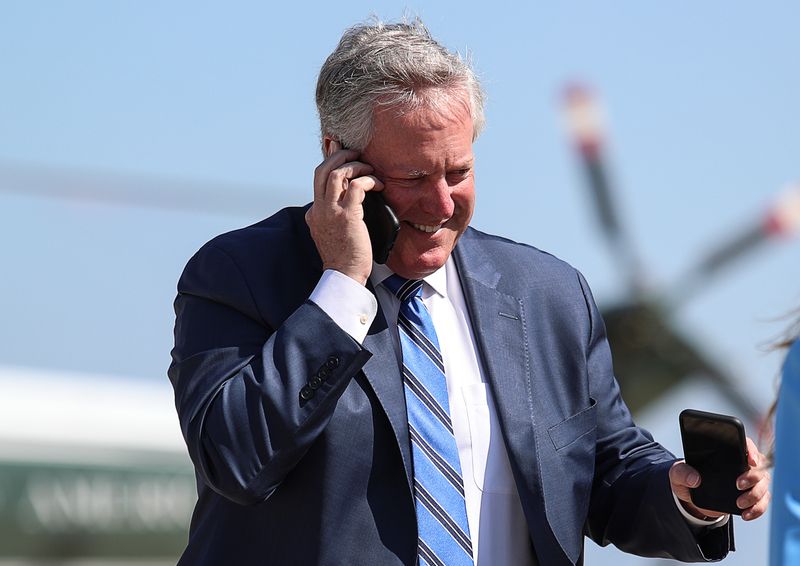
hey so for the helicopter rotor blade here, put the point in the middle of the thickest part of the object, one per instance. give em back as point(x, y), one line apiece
point(585, 123)
point(781, 220)
point(139, 191)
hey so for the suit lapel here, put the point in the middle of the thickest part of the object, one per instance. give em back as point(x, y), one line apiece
point(383, 374)
point(501, 331)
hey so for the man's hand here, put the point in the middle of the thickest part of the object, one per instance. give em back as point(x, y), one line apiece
point(336, 218)
point(754, 485)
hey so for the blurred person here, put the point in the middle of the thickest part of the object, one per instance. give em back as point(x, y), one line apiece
point(785, 523)
point(456, 405)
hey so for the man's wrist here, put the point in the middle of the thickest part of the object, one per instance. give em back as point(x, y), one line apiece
point(355, 274)
point(350, 305)
point(706, 521)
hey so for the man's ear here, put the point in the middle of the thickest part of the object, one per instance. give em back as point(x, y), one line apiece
point(329, 145)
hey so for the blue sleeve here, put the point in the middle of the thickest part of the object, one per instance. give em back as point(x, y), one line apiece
point(631, 504)
point(251, 398)
point(785, 524)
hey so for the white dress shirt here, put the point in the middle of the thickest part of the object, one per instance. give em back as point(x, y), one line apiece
point(497, 525)
point(498, 529)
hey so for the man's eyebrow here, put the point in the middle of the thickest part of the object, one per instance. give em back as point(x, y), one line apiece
point(466, 164)
point(417, 173)
point(399, 172)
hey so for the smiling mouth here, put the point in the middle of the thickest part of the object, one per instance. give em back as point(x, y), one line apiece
point(426, 228)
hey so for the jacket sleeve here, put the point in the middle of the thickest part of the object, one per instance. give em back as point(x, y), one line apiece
point(251, 398)
point(631, 504)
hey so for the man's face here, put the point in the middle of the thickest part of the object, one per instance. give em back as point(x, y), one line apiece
point(425, 161)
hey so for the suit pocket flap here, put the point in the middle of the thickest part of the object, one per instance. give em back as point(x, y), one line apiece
point(572, 428)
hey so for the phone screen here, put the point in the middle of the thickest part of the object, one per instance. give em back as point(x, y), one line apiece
point(715, 445)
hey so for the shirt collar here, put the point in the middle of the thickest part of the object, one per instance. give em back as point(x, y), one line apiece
point(437, 280)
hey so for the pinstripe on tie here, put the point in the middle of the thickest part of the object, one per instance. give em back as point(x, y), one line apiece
point(438, 487)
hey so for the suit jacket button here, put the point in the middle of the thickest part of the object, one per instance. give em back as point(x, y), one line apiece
point(306, 393)
point(332, 363)
point(323, 373)
point(315, 382)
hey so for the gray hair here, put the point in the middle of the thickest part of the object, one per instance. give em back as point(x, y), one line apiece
point(396, 65)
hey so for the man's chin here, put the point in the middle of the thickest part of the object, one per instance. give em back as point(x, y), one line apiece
point(420, 267)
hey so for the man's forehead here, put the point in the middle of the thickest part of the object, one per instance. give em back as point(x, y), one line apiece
point(431, 112)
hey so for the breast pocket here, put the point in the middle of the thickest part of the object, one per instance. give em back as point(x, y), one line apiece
point(490, 467)
point(579, 430)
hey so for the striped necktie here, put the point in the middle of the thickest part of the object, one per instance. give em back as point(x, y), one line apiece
point(438, 487)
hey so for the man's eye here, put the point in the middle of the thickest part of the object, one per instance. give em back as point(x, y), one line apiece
point(459, 174)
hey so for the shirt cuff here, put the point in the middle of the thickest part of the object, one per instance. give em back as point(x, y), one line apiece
point(350, 305)
point(694, 521)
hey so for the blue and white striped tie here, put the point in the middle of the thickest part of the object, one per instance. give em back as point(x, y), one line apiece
point(438, 487)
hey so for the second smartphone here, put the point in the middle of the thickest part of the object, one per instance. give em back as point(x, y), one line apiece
point(716, 446)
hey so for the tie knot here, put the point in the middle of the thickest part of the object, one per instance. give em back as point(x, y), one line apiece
point(404, 288)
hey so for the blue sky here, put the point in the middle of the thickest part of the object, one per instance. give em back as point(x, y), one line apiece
point(700, 101)
point(701, 104)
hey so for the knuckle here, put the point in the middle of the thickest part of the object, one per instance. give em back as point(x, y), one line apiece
point(319, 169)
point(337, 177)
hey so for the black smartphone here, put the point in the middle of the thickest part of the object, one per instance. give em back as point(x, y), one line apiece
point(716, 446)
point(382, 225)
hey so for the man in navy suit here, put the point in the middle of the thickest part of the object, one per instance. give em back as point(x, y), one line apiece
point(287, 361)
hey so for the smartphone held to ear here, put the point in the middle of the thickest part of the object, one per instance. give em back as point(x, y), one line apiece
point(382, 225)
point(381, 221)
point(716, 446)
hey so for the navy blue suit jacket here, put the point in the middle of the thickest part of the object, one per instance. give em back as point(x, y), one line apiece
point(326, 479)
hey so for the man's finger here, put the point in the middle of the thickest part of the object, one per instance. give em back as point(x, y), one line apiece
point(323, 170)
point(754, 494)
point(751, 477)
point(754, 457)
point(758, 509)
point(358, 188)
point(365, 183)
point(340, 178)
point(682, 474)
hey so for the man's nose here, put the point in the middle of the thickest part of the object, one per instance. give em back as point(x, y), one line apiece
point(438, 200)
